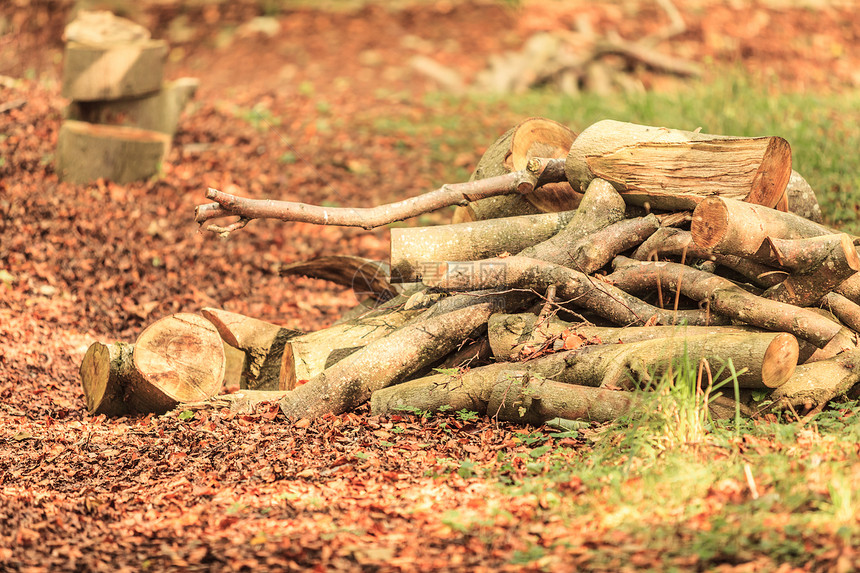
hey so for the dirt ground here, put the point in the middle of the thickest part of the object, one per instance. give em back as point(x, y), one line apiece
point(99, 262)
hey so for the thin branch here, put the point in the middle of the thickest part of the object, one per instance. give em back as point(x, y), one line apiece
point(538, 172)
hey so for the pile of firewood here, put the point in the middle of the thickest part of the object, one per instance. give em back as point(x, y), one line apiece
point(579, 267)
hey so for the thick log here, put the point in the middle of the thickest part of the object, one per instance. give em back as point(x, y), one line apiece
point(736, 228)
point(668, 241)
point(518, 397)
point(179, 358)
point(384, 362)
point(535, 137)
point(723, 297)
point(768, 356)
point(581, 290)
point(819, 382)
point(821, 264)
point(365, 277)
point(268, 363)
point(112, 71)
point(412, 248)
point(673, 169)
point(157, 112)
point(517, 336)
point(86, 152)
point(762, 360)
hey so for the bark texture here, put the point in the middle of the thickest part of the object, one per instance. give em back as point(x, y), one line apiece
point(674, 169)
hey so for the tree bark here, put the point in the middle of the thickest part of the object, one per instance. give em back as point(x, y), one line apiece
point(668, 241)
point(800, 199)
point(517, 336)
point(820, 263)
point(736, 228)
point(537, 172)
point(412, 248)
point(672, 169)
point(518, 397)
point(724, 297)
point(269, 358)
point(384, 362)
point(819, 382)
point(581, 290)
point(179, 358)
point(365, 277)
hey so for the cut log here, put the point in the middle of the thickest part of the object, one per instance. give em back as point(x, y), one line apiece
point(535, 137)
point(157, 112)
point(819, 382)
point(87, 152)
point(103, 376)
point(762, 360)
point(365, 277)
point(581, 290)
point(723, 297)
point(676, 242)
point(517, 336)
point(736, 228)
point(673, 169)
point(268, 363)
point(846, 310)
point(821, 264)
point(518, 397)
point(112, 71)
point(179, 358)
point(412, 248)
point(384, 362)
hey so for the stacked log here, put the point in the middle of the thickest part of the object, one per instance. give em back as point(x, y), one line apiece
point(676, 251)
point(122, 116)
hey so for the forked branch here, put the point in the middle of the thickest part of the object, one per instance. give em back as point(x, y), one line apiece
point(539, 171)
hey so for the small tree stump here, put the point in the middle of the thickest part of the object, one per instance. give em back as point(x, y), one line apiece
point(86, 152)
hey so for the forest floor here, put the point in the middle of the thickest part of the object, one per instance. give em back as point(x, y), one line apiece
point(326, 111)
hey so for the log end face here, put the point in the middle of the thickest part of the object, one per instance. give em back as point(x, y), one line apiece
point(780, 360)
point(96, 381)
point(771, 179)
point(182, 357)
point(710, 222)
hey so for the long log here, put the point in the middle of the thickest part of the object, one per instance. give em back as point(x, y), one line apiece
point(384, 362)
point(724, 297)
point(737, 228)
point(534, 137)
point(600, 297)
point(668, 241)
point(673, 169)
point(365, 277)
point(517, 397)
point(412, 248)
point(179, 358)
point(517, 336)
